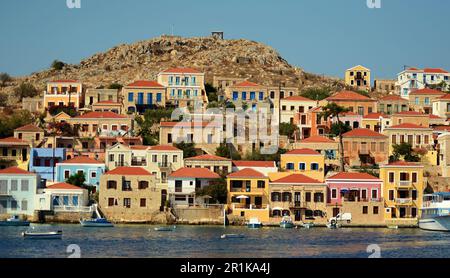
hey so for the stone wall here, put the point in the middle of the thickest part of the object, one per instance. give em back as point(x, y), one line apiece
point(194, 215)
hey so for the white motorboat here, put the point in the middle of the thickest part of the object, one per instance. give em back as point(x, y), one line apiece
point(14, 221)
point(42, 235)
point(436, 212)
point(254, 223)
point(224, 236)
point(165, 229)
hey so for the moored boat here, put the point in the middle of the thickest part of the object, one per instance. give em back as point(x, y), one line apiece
point(224, 236)
point(165, 229)
point(286, 223)
point(254, 223)
point(14, 221)
point(436, 212)
point(42, 235)
point(96, 222)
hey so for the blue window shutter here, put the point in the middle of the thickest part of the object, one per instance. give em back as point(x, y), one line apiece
point(130, 97)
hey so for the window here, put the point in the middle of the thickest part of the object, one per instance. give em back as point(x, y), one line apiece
point(93, 174)
point(414, 177)
point(154, 158)
point(426, 139)
point(308, 196)
point(158, 97)
point(111, 158)
point(391, 177)
point(244, 95)
point(290, 166)
point(126, 186)
point(111, 185)
point(66, 174)
point(302, 166)
point(404, 176)
point(318, 197)
point(130, 97)
point(261, 95)
point(143, 202)
point(175, 159)
point(365, 209)
point(315, 166)
point(374, 194)
point(235, 95)
point(127, 202)
point(391, 195)
point(13, 205)
point(252, 95)
point(24, 185)
point(143, 184)
point(375, 210)
point(110, 202)
point(24, 205)
point(14, 185)
point(261, 184)
point(414, 194)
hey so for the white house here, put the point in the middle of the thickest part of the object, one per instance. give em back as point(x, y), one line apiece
point(62, 197)
point(183, 183)
point(412, 79)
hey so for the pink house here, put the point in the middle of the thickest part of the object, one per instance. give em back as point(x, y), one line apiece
point(353, 187)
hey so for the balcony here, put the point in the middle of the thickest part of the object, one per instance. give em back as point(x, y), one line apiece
point(250, 206)
point(405, 184)
point(72, 209)
point(142, 162)
point(5, 193)
point(121, 163)
point(164, 164)
point(403, 201)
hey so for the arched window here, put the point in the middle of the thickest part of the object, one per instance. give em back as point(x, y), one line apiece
point(276, 196)
point(276, 213)
point(286, 196)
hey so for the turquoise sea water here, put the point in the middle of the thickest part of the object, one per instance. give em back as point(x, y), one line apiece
point(204, 242)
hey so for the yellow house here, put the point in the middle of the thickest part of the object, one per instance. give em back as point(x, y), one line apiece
point(358, 77)
point(63, 92)
point(403, 191)
point(248, 195)
point(305, 161)
point(419, 137)
point(375, 121)
point(14, 152)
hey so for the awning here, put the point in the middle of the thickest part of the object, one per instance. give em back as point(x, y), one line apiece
point(242, 197)
point(277, 208)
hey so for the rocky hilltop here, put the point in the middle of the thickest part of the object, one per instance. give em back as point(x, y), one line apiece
point(144, 59)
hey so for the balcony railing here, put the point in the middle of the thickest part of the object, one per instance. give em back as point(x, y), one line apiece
point(72, 209)
point(250, 207)
point(164, 164)
point(5, 193)
point(404, 184)
point(403, 201)
point(121, 163)
point(139, 163)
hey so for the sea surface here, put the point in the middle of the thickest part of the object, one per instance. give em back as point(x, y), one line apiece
point(142, 241)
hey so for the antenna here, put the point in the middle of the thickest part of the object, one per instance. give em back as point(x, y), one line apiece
point(172, 30)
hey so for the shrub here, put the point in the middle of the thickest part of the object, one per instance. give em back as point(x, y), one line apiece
point(57, 65)
point(25, 90)
point(4, 78)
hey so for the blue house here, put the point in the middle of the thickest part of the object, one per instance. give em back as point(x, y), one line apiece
point(91, 168)
point(43, 161)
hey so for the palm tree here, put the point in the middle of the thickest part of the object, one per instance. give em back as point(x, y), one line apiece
point(333, 110)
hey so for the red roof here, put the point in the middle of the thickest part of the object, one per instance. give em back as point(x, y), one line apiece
point(248, 163)
point(208, 157)
point(426, 91)
point(376, 116)
point(146, 84)
point(29, 127)
point(408, 126)
point(411, 113)
point(434, 70)
point(363, 132)
point(64, 81)
point(164, 148)
point(246, 84)
point(247, 173)
point(348, 95)
point(13, 140)
point(304, 151)
point(432, 116)
point(139, 147)
point(101, 115)
point(352, 176)
point(189, 124)
point(403, 163)
point(393, 97)
point(296, 178)
point(298, 98)
point(181, 70)
point(63, 185)
point(15, 171)
point(129, 171)
point(317, 139)
point(201, 173)
point(446, 96)
point(82, 160)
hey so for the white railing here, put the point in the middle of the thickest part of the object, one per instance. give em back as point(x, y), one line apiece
point(5, 193)
point(72, 209)
point(250, 207)
point(404, 183)
point(403, 200)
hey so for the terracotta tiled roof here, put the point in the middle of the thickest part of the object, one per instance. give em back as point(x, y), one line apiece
point(304, 151)
point(352, 176)
point(14, 141)
point(403, 163)
point(246, 173)
point(248, 163)
point(297, 98)
point(16, 171)
point(432, 116)
point(434, 70)
point(131, 171)
point(29, 127)
point(189, 124)
point(411, 113)
point(363, 132)
point(246, 84)
point(296, 178)
point(181, 70)
point(376, 116)
point(63, 185)
point(426, 91)
point(408, 126)
point(139, 147)
point(208, 157)
point(446, 96)
point(101, 115)
point(146, 84)
point(164, 148)
point(393, 97)
point(201, 173)
point(349, 113)
point(348, 95)
point(81, 160)
point(317, 139)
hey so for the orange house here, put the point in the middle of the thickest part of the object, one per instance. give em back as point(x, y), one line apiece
point(363, 146)
point(357, 103)
point(63, 92)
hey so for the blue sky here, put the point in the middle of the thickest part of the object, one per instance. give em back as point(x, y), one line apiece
point(321, 36)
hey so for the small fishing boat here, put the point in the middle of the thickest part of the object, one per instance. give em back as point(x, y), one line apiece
point(254, 223)
point(394, 227)
point(96, 222)
point(307, 225)
point(286, 223)
point(232, 236)
point(14, 221)
point(165, 229)
point(42, 235)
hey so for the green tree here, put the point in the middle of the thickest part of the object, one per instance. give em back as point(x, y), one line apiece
point(148, 122)
point(405, 151)
point(115, 86)
point(4, 78)
point(288, 129)
point(224, 151)
point(316, 93)
point(56, 109)
point(339, 127)
point(187, 148)
point(77, 179)
point(25, 90)
point(332, 110)
point(211, 92)
point(217, 190)
point(57, 65)
point(17, 119)
point(3, 100)
point(258, 156)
